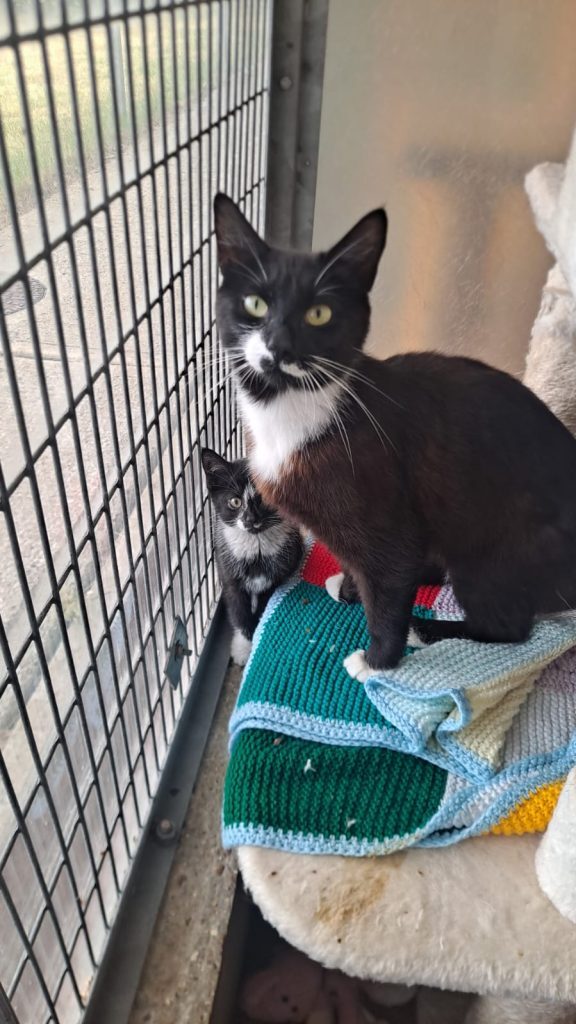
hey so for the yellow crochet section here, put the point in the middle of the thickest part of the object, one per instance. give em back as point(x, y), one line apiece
point(533, 814)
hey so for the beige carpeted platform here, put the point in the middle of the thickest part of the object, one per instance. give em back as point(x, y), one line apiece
point(470, 917)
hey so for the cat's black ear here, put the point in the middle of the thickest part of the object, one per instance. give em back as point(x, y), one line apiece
point(360, 250)
point(215, 467)
point(236, 239)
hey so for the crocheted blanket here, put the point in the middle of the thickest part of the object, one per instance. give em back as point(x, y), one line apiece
point(458, 739)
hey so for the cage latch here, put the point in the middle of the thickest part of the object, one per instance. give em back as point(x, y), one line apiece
point(178, 651)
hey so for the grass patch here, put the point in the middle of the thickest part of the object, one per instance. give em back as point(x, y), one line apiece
point(158, 68)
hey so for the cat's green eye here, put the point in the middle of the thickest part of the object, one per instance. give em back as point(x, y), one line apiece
point(234, 502)
point(317, 316)
point(255, 305)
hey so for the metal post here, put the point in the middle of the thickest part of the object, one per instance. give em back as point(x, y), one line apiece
point(298, 50)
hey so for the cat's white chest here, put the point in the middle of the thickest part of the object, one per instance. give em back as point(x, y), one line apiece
point(282, 427)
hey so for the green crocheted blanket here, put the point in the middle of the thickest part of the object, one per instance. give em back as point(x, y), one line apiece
point(442, 747)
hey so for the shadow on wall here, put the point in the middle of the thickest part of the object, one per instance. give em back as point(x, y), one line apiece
point(438, 109)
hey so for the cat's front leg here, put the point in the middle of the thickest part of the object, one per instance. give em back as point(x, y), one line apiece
point(388, 609)
point(243, 620)
point(240, 648)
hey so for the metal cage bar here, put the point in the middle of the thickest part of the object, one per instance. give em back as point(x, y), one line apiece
point(119, 119)
point(298, 50)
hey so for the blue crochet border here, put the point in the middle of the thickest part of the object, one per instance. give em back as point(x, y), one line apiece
point(276, 718)
point(273, 717)
point(306, 842)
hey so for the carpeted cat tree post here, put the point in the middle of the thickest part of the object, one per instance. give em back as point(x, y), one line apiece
point(551, 373)
point(551, 362)
point(494, 915)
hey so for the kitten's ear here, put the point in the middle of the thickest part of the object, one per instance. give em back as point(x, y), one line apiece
point(360, 250)
point(215, 467)
point(236, 238)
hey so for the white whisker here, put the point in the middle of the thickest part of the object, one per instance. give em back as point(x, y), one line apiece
point(201, 363)
point(328, 291)
point(345, 438)
point(250, 273)
point(353, 372)
point(219, 386)
point(380, 432)
point(338, 256)
point(258, 261)
point(337, 417)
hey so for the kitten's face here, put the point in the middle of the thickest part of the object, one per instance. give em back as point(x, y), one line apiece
point(233, 495)
point(290, 320)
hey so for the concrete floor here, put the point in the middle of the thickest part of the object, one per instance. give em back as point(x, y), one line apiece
point(181, 971)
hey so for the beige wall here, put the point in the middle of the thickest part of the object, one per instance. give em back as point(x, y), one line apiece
point(438, 108)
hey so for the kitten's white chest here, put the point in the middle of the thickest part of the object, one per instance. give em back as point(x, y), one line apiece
point(283, 427)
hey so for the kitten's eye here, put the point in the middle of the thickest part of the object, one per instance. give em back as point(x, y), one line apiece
point(256, 306)
point(317, 316)
point(235, 502)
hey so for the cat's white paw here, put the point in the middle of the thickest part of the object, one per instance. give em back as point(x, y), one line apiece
point(334, 585)
point(357, 666)
point(413, 640)
point(240, 649)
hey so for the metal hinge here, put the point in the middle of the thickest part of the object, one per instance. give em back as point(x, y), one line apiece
point(178, 651)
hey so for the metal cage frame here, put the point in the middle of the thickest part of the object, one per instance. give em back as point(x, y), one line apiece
point(114, 753)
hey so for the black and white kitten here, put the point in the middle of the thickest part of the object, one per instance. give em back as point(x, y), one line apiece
point(256, 550)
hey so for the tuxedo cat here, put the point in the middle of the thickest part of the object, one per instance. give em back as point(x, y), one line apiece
point(255, 549)
point(407, 468)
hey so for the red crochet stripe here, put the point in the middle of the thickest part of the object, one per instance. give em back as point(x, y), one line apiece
point(321, 564)
point(427, 595)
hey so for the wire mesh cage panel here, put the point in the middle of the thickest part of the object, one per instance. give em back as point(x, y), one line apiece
point(119, 119)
